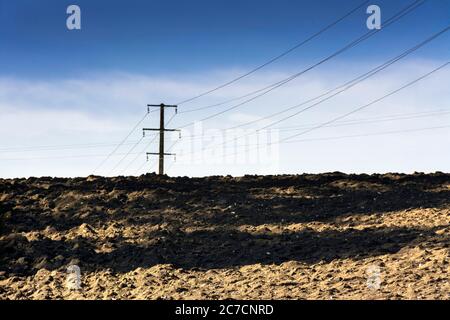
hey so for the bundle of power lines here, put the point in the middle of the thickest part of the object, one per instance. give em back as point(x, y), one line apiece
point(239, 101)
point(125, 162)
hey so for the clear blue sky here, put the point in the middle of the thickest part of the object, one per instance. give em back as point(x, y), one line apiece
point(167, 36)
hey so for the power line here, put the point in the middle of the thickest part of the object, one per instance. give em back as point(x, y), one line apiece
point(405, 116)
point(63, 157)
point(148, 145)
point(240, 77)
point(61, 147)
point(142, 166)
point(366, 121)
point(246, 145)
point(371, 103)
point(364, 77)
point(348, 137)
point(355, 110)
point(126, 155)
point(138, 153)
point(173, 145)
point(315, 35)
point(170, 119)
point(121, 143)
point(354, 43)
point(345, 137)
point(389, 21)
point(395, 117)
point(348, 85)
point(370, 134)
point(135, 145)
point(170, 166)
point(292, 141)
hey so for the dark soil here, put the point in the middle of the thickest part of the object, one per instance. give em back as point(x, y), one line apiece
point(281, 237)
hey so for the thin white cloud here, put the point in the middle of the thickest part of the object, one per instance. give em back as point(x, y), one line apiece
point(103, 108)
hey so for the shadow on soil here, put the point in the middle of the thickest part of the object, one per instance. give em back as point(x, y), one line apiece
point(208, 250)
point(222, 203)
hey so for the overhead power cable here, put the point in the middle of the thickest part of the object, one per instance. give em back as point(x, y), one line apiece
point(348, 85)
point(139, 153)
point(60, 147)
point(409, 84)
point(370, 134)
point(292, 141)
point(283, 54)
point(362, 78)
point(121, 143)
point(343, 123)
point(126, 155)
point(352, 44)
point(371, 103)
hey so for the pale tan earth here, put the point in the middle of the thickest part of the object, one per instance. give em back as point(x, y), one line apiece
point(255, 237)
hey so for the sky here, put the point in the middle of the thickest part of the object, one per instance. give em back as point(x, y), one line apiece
point(69, 97)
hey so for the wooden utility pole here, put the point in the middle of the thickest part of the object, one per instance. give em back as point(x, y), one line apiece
point(161, 130)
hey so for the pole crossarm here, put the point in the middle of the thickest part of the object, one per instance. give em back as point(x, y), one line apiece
point(158, 129)
point(157, 154)
point(162, 105)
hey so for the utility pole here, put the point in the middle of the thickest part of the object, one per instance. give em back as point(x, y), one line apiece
point(161, 130)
